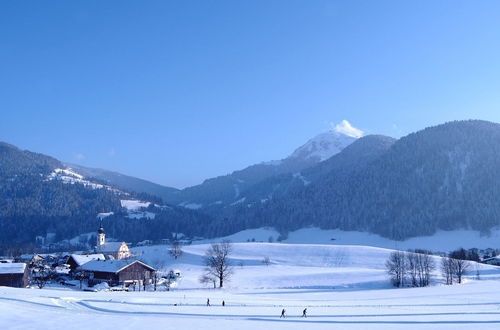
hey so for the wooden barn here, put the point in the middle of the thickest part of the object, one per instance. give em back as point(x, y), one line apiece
point(76, 260)
point(118, 272)
point(14, 274)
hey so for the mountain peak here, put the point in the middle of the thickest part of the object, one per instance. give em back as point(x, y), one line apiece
point(345, 127)
point(325, 145)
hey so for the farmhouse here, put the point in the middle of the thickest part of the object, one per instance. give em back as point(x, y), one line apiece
point(495, 261)
point(118, 272)
point(114, 250)
point(14, 275)
point(76, 260)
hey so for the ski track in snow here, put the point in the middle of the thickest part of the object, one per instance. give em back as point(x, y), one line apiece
point(353, 294)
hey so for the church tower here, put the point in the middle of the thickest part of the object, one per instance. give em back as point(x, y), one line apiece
point(101, 237)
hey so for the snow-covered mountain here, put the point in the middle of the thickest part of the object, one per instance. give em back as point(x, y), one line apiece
point(123, 181)
point(328, 144)
point(40, 194)
point(440, 178)
point(223, 191)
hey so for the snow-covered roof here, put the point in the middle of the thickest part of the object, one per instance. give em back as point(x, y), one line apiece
point(495, 259)
point(109, 247)
point(133, 205)
point(83, 259)
point(12, 268)
point(110, 266)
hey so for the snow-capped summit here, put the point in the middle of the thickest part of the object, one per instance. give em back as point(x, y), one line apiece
point(325, 145)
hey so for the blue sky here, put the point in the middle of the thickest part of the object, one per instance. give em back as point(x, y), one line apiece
point(179, 91)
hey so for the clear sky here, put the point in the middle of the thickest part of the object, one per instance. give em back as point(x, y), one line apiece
point(179, 91)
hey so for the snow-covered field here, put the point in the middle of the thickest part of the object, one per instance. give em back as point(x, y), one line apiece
point(343, 287)
point(441, 241)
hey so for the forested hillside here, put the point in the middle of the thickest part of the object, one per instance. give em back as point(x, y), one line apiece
point(444, 177)
point(38, 195)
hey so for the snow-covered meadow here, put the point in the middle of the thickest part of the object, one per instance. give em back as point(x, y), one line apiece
point(342, 287)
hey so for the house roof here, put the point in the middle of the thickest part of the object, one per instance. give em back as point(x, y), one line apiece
point(12, 268)
point(111, 266)
point(109, 247)
point(495, 258)
point(83, 259)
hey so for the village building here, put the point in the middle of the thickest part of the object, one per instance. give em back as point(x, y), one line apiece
point(29, 258)
point(76, 260)
point(111, 250)
point(118, 272)
point(495, 261)
point(14, 275)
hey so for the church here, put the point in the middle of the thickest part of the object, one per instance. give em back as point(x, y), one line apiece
point(111, 250)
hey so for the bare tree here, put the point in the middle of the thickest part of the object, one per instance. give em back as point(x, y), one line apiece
point(419, 266)
point(217, 261)
point(170, 279)
point(397, 268)
point(41, 274)
point(460, 264)
point(205, 279)
point(266, 261)
point(447, 270)
point(426, 267)
point(81, 276)
point(159, 265)
point(412, 268)
point(175, 249)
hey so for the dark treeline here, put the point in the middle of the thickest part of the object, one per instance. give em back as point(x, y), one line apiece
point(445, 177)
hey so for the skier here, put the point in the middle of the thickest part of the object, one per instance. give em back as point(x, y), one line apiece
point(223, 303)
point(304, 313)
point(208, 302)
point(283, 313)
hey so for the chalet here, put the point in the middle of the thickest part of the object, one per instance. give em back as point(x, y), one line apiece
point(29, 258)
point(14, 275)
point(76, 260)
point(118, 272)
point(495, 261)
point(111, 250)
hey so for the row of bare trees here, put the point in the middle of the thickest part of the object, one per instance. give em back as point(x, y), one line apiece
point(415, 268)
point(454, 266)
point(410, 268)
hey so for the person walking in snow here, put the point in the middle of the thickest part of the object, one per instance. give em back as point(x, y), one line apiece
point(283, 313)
point(223, 303)
point(208, 301)
point(304, 313)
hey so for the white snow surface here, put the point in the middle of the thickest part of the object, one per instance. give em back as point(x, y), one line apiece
point(141, 215)
point(12, 268)
point(301, 177)
point(68, 176)
point(133, 205)
point(346, 128)
point(134, 209)
point(323, 146)
point(441, 241)
point(83, 259)
point(192, 206)
point(104, 215)
point(342, 287)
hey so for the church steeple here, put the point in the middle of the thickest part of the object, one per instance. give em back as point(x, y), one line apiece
point(101, 236)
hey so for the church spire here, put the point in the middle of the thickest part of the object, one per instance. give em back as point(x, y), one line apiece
point(101, 236)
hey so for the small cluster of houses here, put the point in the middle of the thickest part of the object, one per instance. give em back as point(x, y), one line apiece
point(110, 262)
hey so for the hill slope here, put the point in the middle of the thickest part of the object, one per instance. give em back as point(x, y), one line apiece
point(223, 191)
point(444, 177)
point(40, 194)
